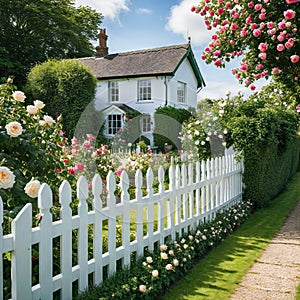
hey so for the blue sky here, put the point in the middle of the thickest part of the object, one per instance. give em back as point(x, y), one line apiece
point(143, 24)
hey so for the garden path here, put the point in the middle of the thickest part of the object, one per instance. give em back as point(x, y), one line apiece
point(276, 274)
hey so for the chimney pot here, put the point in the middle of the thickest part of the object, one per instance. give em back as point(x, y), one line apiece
point(102, 49)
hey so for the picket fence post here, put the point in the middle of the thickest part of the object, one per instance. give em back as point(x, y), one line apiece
point(112, 222)
point(97, 228)
point(139, 212)
point(21, 255)
point(82, 195)
point(45, 246)
point(65, 199)
point(125, 198)
point(150, 208)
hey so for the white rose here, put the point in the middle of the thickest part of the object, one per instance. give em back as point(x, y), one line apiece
point(175, 262)
point(7, 178)
point(163, 255)
point(155, 273)
point(42, 123)
point(32, 188)
point(14, 129)
point(142, 288)
point(149, 259)
point(31, 109)
point(19, 96)
point(49, 120)
point(169, 267)
point(39, 104)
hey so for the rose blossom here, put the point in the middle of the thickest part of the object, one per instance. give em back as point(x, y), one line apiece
point(289, 14)
point(31, 109)
point(19, 96)
point(256, 32)
point(262, 55)
point(280, 47)
point(7, 178)
point(154, 273)
point(14, 129)
point(169, 267)
point(262, 47)
point(39, 104)
point(49, 120)
point(275, 71)
point(294, 58)
point(32, 188)
point(142, 288)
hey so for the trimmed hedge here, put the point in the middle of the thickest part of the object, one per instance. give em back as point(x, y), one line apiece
point(67, 87)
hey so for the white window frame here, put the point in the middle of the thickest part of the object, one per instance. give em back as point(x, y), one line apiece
point(181, 92)
point(146, 124)
point(113, 91)
point(144, 90)
point(113, 120)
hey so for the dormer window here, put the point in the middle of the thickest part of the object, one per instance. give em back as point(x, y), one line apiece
point(113, 91)
point(144, 89)
point(181, 87)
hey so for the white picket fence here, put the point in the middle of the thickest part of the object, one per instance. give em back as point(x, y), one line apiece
point(195, 193)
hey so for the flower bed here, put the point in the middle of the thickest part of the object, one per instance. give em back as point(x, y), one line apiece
point(148, 277)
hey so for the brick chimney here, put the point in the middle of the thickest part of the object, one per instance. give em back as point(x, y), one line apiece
point(102, 49)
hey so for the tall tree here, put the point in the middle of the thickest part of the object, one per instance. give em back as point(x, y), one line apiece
point(33, 31)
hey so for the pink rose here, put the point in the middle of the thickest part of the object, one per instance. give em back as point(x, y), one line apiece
point(280, 38)
point(262, 55)
point(256, 32)
point(258, 7)
point(281, 25)
point(289, 14)
point(276, 71)
point(252, 87)
point(262, 47)
point(280, 47)
point(260, 66)
point(294, 58)
point(250, 4)
point(270, 25)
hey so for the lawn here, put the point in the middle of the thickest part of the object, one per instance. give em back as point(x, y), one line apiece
point(217, 275)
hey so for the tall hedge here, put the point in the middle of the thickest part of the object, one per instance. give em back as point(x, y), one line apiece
point(263, 129)
point(168, 123)
point(67, 87)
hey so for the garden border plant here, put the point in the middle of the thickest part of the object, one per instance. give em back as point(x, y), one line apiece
point(149, 276)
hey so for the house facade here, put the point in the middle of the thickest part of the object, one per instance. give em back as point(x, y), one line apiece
point(142, 81)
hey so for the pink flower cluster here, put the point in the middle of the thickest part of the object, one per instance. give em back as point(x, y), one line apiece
point(264, 32)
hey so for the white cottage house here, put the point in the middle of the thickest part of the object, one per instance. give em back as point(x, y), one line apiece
point(143, 80)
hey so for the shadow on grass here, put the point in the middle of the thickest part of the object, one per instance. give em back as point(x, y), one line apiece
point(216, 275)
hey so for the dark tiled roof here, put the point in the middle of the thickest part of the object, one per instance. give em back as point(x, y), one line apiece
point(149, 62)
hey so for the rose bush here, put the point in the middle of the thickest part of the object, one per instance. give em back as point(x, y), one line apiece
point(264, 33)
point(29, 149)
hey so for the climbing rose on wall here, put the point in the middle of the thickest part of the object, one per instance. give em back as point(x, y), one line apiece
point(265, 32)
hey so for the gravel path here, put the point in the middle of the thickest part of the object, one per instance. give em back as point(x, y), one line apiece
point(276, 274)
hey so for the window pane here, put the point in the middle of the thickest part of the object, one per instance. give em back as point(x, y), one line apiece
point(114, 123)
point(144, 90)
point(113, 90)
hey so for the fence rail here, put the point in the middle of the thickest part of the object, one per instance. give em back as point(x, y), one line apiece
point(192, 194)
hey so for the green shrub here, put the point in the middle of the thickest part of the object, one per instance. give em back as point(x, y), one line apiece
point(168, 120)
point(68, 88)
point(263, 129)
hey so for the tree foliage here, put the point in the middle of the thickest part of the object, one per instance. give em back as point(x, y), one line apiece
point(264, 33)
point(68, 87)
point(32, 31)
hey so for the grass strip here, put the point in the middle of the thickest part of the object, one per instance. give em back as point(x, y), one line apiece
point(218, 274)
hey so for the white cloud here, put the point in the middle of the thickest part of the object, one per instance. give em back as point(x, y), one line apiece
point(109, 8)
point(144, 11)
point(183, 21)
